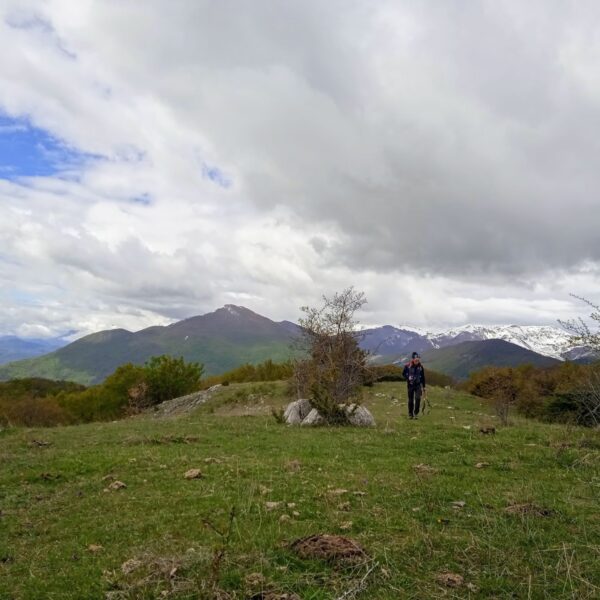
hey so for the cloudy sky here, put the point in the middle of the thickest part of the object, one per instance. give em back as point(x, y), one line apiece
point(159, 159)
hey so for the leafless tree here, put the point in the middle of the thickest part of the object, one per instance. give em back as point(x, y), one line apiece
point(587, 395)
point(333, 369)
point(587, 398)
point(581, 333)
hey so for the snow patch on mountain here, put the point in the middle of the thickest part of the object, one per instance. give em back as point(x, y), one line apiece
point(543, 339)
point(232, 309)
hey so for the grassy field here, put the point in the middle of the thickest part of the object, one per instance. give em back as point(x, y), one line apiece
point(529, 526)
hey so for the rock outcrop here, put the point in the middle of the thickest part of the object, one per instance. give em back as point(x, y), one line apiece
point(300, 412)
point(313, 418)
point(297, 411)
point(184, 404)
point(359, 416)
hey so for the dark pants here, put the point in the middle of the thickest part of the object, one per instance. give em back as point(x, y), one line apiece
point(414, 399)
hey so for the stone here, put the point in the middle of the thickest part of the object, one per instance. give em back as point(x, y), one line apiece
point(313, 418)
point(193, 474)
point(296, 411)
point(117, 485)
point(359, 416)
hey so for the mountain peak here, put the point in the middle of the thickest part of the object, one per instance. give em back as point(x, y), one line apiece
point(236, 310)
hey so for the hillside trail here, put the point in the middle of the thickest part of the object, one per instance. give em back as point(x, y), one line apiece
point(183, 405)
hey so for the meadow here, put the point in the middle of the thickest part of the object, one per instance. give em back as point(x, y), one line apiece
point(438, 508)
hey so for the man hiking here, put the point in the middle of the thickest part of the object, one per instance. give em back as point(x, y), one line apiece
point(414, 373)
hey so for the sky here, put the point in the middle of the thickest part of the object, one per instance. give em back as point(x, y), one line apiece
point(160, 159)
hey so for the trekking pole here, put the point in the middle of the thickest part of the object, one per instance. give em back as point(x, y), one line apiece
point(426, 405)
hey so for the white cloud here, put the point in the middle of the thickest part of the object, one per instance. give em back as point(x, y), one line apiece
point(439, 156)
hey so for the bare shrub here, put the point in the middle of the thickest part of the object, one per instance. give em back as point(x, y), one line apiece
point(334, 372)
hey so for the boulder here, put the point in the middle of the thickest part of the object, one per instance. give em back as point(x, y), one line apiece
point(359, 416)
point(297, 411)
point(313, 418)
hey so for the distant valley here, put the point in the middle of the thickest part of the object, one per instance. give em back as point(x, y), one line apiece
point(15, 348)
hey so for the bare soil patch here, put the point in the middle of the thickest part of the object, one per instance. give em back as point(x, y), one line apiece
point(332, 548)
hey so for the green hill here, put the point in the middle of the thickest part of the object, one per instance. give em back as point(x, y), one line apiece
point(460, 360)
point(221, 340)
point(513, 515)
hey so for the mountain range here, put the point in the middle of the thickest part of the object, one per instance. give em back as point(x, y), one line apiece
point(549, 341)
point(15, 348)
point(234, 335)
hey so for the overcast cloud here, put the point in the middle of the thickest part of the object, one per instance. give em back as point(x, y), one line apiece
point(440, 156)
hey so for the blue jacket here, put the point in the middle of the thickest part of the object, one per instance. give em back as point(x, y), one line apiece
point(414, 374)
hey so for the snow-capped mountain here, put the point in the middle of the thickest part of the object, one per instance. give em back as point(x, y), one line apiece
point(543, 339)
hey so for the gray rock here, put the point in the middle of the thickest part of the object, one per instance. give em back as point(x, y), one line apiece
point(359, 416)
point(183, 405)
point(313, 418)
point(297, 411)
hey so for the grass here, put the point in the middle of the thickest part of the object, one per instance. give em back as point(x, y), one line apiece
point(191, 538)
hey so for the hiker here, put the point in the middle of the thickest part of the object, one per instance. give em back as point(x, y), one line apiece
point(414, 373)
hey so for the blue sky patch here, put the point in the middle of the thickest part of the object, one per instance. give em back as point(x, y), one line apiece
point(27, 151)
point(215, 175)
point(145, 199)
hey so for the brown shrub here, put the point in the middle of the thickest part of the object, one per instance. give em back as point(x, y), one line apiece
point(33, 412)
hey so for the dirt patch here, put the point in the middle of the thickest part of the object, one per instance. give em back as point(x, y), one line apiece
point(452, 580)
point(273, 595)
point(528, 508)
point(487, 430)
point(50, 476)
point(423, 469)
point(39, 444)
point(151, 576)
point(293, 466)
point(332, 548)
point(163, 439)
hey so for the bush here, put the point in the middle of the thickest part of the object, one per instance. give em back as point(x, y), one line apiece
point(107, 401)
point(30, 402)
point(168, 377)
point(40, 402)
point(566, 393)
point(33, 412)
point(265, 371)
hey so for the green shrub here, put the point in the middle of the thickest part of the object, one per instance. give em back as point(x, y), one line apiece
point(168, 377)
point(30, 402)
point(265, 371)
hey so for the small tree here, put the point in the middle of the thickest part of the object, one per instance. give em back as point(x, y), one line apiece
point(587, 396)
point(167, 377)
point(500, 384)
point(581, 333)
point(333, 372)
